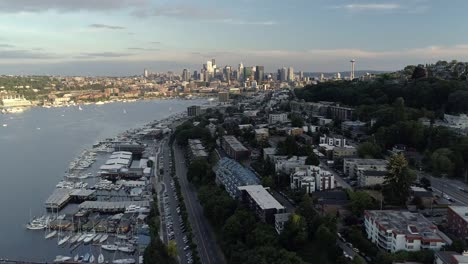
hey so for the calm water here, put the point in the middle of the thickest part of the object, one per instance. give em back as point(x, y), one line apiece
point(35, 150)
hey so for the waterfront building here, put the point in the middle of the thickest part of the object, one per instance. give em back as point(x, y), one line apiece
point(231, 174)
point(394, 230)
point(15, 101)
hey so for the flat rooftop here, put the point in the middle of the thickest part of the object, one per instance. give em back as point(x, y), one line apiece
point(461, 211)
point(261, 197)
point(368, 161)
point(111, 206)
point(58, 197)
point(406, 223)
point(234, 143)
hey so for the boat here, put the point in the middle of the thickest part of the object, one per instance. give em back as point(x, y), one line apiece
point(100, 259)
point(91, 259)
point(124, 261)
point(109, 247)
point(104, 237)
point(82, 237)
point(51, 234)
point(124, 111)
point(97, 237)
point(79, 108)
point(126, 249)
point(5, 125)
point(88, 238)
point(35, 226)
point(75, 238)
point(60, 258)
point(76, 258)
point(86, 257)
point(63, 240)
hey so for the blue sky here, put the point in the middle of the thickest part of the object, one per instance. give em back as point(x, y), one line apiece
point(119, 37)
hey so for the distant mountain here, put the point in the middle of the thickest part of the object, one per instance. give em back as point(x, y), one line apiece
point(343, 73)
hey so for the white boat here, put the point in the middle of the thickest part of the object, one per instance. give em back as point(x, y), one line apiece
point(76, 258)
point(79, 108)
point(82, 237)
point(88, 238)
point(91, 259)
point(5, 125)
point(75, 238)
point(35, 226)
point(51, 234)
point(100, 259)
point(97, 237)
point(103, 238)
point(61, 258)
point(124, 261)
point(109, 247)
point(126, 249)
point(63, 240)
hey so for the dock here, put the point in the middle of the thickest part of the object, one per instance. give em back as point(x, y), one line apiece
point(119, 206)
point(61, 197)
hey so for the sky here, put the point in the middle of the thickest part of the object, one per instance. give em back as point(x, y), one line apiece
point(122, 37)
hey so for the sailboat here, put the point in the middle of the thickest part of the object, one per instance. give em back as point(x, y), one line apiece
point(79, 108)
point(100, 259)
point(51, 234)
point(75, 238)
point(91, 259)
point(103, 238)
point(97, 237)
point(63, 240)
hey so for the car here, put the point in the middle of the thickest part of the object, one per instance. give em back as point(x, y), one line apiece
point(186, 247)
point(356, 250)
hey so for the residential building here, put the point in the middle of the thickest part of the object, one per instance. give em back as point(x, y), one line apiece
point(370, 177)
point(196, 150)
point(268, 153)
point(261, 202)
point(394, 230)
point(295, 131)
point(194, 110)
point(286, 165)
point(457, 221)
point(234, 148)
point(352, 165)
point(261, 134)
point(231, 174)
point(344, 152)
point(280, 221)
point(277, 118)
point(450, 257)
point(311, 179)
point(338, 112)
point(333, 141)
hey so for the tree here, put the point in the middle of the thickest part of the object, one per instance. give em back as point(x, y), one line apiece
point(369, 150)
point(199, 172)
point(294, 234)
point(360, 201)
point(441, 162)
point(172, 248)
point(398, 180)
point(312, 159)
point(296, 120)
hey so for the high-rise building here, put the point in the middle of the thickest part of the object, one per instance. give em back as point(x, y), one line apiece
point(241, 70)
point(353, 62)
point(247, 73)
point(195, 75)
point(145, 73)
point(284, 74)
point(185, 75)
point(213, 63)
point(227, 74)
point(259, 74)
point(301, 75)
point(209, 67)
point(290, 74)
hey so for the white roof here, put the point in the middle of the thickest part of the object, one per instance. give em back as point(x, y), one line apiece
point(111, 167)
point(117, 161)
point(263, 198)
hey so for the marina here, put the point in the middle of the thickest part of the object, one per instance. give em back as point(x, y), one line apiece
point(86, 207)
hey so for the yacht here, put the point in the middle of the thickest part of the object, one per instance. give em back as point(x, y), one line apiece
point(126, 249)
point(51, 234)
point(88, 238)
point(60, 258)
point(103, 238)
point(63, 240)
point(109, 247)
point(91, 259)
point(75, 238)
point(97, 237)
point(100, 259)
point(124, 261)
point(82, 237)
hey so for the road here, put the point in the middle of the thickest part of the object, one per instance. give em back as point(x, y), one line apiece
point(340, 182)
point(208, 249)
point(451, 188)
point(169, 204)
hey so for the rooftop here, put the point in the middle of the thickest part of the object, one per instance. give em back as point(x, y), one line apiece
point(405, 223)
point(234, 143)
point(261, 197)
point(461, 211)
point(368, 161)
point(246, 176)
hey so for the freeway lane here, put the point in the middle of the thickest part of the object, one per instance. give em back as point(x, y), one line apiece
point(451, 188)
point(208, 248)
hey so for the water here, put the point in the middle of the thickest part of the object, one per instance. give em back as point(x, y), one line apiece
point(36, 148)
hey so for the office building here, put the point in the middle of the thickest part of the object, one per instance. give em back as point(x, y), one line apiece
point(247, 73)
point(283, 74)
point(261, 202)
point(259, 74)
point(185, 75)
point(231, 174)
point(234, 148)
point(194, 110)
point(457, 221)
point(223, 97)
point(290, 74)
point(145, 73)
point(394, 230)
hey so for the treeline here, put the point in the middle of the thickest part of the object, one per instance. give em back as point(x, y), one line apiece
point(445, 96)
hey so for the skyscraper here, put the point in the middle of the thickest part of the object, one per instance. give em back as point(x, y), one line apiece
point(209, 67)
point(185, 75)
point(227, 74)
point(290, 74)
point(241, 70)
point(301, 75)
point(145, 73)
point(260, 74)
point(247, 73)
point(283, 74)
point(351, 76)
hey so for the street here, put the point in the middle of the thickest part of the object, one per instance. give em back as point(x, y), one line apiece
point(452, 188)
point(208, 248)
point(339, 181)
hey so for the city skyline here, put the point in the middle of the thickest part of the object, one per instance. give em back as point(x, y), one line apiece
point(122, 37)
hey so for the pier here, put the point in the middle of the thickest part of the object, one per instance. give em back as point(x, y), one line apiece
point(119, 206)
point(61, 197)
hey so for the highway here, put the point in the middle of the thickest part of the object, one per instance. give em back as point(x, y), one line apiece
point(208, 249)
point(451, 188)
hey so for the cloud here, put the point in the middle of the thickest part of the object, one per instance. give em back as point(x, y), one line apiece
point(246, 22)
point(6, 46)
point(103, 26)
point(15, 6)
point(143, 49)
point(155, 42)
point(105, 54)
point(25, 54)
point(371, 7)
point(400, 6)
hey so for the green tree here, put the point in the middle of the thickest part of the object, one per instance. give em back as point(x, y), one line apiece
point(312, 159)
point(398, 180)
point(172, 248)
point(360, 201)
point(441, 162)
point(369, 150)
